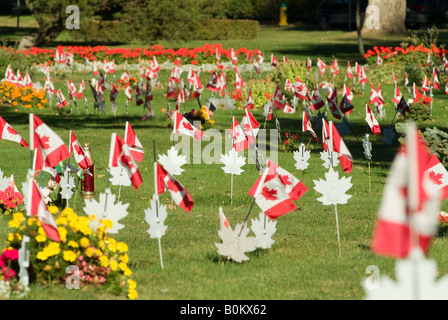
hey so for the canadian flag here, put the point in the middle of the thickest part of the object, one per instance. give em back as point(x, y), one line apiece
point(166, 182)
point(197, 87)
point(8, 133)
point(138, 96)
point(269, 109)
point(95, 67)
point(217, 54)
point(346, 107)
point(120, 155)
point(345, 157)
point(213, 83)
point(416, 94)
point(348, 93)
point(183, 126)
point(394, 77)
point(150, 73)
point(175, 73)
point(134, 144)
point(250, 101)
point(358, 69)
point(37, 207)
point(425, 85)
point(372, 122)
point(279, 100)
point(239, 82)
point(332, 100)
point(69, 60)
point(223, 222)
point(301, 90)
point(306, 126)
point(435, 79)
point(191, 76)
point(379, 60)
point(325, 135)
point(408, 212)
point(289, 86)
point(438, 175)
point(321, 65)
point(102, 82)
point(61, 99)
point(170, 92)
point(308, 63)
point(19, 79)
point(238, 135)
point(288, 108)
point(149, 96)
point(250, 126)
point(155, 65)
point(406, 80)
point(113, 92)
point(233, 56)
point(335, 68)
point(52, 147)
point(316, 99)
point(39, 165)
point(127, 92)
point(275, 191)
point(403, 107)
point(82, 87)
point(349, 71)
point(9, 74)
point(397, 95)
point(72, 89)
point(376, 96)
point(78, 152)
point(111, 67)
point(285, 59)
point(362, 76)
point(27, 80)
point(274, 60)
point(446, 88)
point(49, 87)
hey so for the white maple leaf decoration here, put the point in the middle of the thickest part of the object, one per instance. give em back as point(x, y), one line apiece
point(232, 162)
point(329, 161)
point(106, 210)
point(234, 245)
point(264, 228)
point(172, 161)
point(414, 272)
point(4, 181)
point(155, 216)
point(333, 189)
point(67, 183)
point(302, 156)
point(367, 146)
point(389, 135)
point(119, 177)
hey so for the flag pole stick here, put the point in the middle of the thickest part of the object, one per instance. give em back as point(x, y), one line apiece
point(156, 198)
point(337, 228)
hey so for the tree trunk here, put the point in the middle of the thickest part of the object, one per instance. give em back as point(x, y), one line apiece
point(358, 27)
point(385, 17)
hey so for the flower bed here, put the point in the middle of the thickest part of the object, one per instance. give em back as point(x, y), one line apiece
point(21, 96)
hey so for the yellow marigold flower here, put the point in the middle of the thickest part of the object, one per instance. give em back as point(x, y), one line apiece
point(85, 230)
point(69, 256)
point(61, 221)
point(14, 223)
point(53, 209)
point(14, 103)
point(132, 284)
point(73, 244)
point(124, 258)
point(68, 211)
point(41, 238)
point(90, 251)
point(123, 266)
point(62, 233)
point(32, 220)
point(19, 216)
point(43, 101)
point(127, 272)
point(98, 252)
point(52, 249)
point(113, 265)
point(92, 217)
point(108, 224)
point(132, 294)
point(112, 246)
point(84, 242)
point(104, 261)
point(122, 247)
point(47, 268)
point(41, 231)
point(41, 255)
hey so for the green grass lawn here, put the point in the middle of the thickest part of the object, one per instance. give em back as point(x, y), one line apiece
point(304, 262)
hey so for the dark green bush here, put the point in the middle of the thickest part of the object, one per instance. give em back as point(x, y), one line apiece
point(225, 29)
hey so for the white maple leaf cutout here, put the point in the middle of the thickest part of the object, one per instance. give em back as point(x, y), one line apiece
point(232, 162)
point(333, 189)
point(106, 208)
point(4, 181)
point(302, 156)
point(416, 280)
point(235, 243)
point(367, 146)
point(155, 216)
point(172, 161)
point(228, 103)
point(389, 135)
point(329, 161)
point(67, 183)
point(264, 228)
point(119, 177)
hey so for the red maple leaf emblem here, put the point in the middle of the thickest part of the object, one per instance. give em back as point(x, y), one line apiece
point(78, 149)
point(285, 179)
point(11, 130)
point(246, 127)
point(44, 142)
point(187, 126)
point(436, 178)
point(269, 194)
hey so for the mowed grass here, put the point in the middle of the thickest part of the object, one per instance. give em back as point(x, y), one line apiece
point(303, 263)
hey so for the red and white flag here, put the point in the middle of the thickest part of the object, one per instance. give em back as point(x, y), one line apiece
point(345, 157)
point(155, 65)
point(394, 77)
point(120, 156)
point(213, 83)
point(349, 71)
point(72, 89)
point(191, 76)
point(175, 74)
point(397, 95)
point(8, 133)
point(49, 87)
point(288, 108)
point(39, 165)
point(376, 96)
point(308, 64)
point(166, 182)
point(127, 92)
point(78, 152)
point(170, 91)
point(82, 87)
point(325, 135)
point(334, 68)
point(372, 122)
point(426, 86)
point(321, 65)
point(274, 60)
point(285, 59)
point(134, 144)
point(183, 126)
point(239, 139)
point(435, 79)
point(362, 76)
point(250, 101)
point(250, 126)
point(416, 94)
point(52, 147)
point(348, 93)
point(306, 126)
point(197, 87)
point(239, 82)
point(113, 92)
point(406, 80)
point(102, 82)
point(95, 67)
point(301, 90)
point(275, 191)
point(332, 100)
point(346, 107)
point(289, 86)
point(9, 74)
point(279, 100)
point(61, 99)
point(37, 207)
point(438, 175)
point(27, 80)
point(148, 95)
point(138, 96)
point(408, 214)
point(379, 60)
point(316, 99)
point(233, 56)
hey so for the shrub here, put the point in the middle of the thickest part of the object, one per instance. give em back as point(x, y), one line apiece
point(226, 29)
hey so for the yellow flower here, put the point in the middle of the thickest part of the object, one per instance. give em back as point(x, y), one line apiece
point(123, 266)
point(47, 268)
point(114, 265)
point(132, 294)
point(41, 255)
point(127, 271)
point(112, 246)
point(14, 223)
point(84, 242)
point(14, 237)
point(18, 216)
point(90, 251)
point(104, 261)
point(132, 284)
point(122, 247)
point(62, 233)
point(108, 224)
point(69, 256)
point(52, 249)
point(124, 258)
point(41, 238)
point(98, 252)
point(73, 244)
point(68, 212)
point(53, 209)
